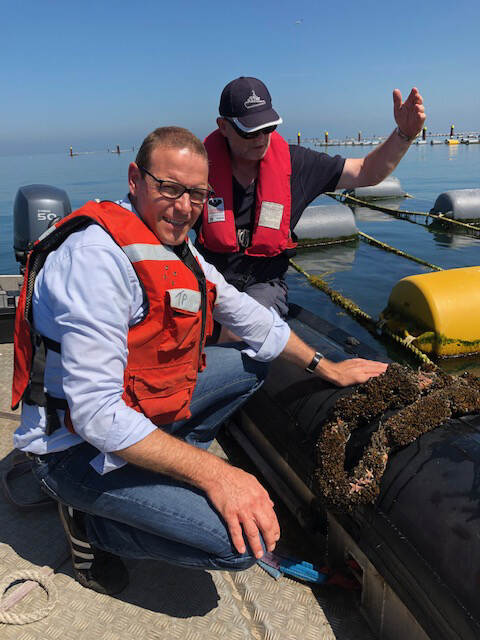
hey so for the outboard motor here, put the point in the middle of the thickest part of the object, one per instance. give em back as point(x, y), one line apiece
point(36, 207)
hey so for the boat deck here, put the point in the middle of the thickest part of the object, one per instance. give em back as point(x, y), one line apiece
point(162, 601)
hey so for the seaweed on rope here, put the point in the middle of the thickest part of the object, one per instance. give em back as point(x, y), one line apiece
point(363, 317)
point(403, 213)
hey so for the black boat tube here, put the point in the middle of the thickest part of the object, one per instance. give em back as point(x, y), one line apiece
point(419, 545)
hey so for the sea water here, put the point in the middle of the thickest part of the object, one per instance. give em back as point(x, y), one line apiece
point(367, 274)
point(359, 271)
point(84, 177)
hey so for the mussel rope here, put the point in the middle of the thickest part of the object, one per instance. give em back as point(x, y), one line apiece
point(363, 317)
point(398, 252)
point(399, 213)
point(377, 243)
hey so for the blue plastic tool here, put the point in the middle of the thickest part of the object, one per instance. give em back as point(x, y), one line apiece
point(277, 565)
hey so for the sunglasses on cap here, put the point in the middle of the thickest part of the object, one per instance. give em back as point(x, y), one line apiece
point(254, 134)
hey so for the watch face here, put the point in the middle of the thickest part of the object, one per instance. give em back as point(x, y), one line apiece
point(316, 359)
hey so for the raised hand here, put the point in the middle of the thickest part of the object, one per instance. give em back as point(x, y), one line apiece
point(409, 115)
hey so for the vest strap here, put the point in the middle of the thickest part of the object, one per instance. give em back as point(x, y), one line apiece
point(186, 256)
point(53, 421)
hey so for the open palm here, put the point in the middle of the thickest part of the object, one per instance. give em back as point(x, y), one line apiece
point(409, 115)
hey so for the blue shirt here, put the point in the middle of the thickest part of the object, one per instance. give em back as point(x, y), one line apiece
point(86, 297)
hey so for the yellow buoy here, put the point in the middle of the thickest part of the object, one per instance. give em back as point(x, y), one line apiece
point(452, 141)
point(438, 311)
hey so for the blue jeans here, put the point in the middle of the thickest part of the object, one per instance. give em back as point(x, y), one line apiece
point(137, 513)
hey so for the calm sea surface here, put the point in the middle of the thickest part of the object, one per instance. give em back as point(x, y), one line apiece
point(362, 272)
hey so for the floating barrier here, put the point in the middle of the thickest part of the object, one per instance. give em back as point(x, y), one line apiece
point(458, 204)
point(438, 312)
point(380, 245)
point(367, 213)
point(436, 142)
point(326, 224)
point(404, 214)
point(388, 188)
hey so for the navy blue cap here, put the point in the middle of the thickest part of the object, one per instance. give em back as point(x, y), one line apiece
point(248, 103)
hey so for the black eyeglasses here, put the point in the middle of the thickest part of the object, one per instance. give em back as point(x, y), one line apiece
point(253, 134)
point(175, 190)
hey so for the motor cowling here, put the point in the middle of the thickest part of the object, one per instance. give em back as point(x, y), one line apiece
point(36, 207)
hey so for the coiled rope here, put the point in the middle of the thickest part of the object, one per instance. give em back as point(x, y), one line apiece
point(374, 327)
point(30, 578)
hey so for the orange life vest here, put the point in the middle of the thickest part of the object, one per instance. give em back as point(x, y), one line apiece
point(271, 229)
point(166, 348)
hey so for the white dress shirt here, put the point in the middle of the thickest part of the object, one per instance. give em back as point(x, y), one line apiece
point(86, 297)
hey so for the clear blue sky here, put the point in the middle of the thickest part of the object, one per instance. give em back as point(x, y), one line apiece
point(106, 72)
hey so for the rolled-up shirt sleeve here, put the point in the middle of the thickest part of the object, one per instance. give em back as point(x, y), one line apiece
point(262, 329)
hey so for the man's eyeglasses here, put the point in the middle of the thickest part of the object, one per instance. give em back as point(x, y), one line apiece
point(175, 190)
point(253, 134)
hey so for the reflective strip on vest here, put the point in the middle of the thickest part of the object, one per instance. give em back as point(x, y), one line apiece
point(139, 252)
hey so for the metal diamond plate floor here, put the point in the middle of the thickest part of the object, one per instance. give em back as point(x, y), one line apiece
point(162, 601)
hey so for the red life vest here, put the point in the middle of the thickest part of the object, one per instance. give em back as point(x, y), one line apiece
point(165, 349)
point(271, 230)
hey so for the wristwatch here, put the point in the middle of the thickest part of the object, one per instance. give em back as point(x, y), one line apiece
point(315, 360)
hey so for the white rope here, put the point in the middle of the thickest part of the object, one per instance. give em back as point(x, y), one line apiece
point(30, 578)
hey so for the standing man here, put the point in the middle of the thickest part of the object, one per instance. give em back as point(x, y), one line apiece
point(123, 304)
point(262, 186)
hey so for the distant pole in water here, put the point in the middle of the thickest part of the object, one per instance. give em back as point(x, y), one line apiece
point(298, 137)
point(451, 130)
point(359, 136)
point(118, 148)
point(71, 152)
point(424, 133)
point(326, 137)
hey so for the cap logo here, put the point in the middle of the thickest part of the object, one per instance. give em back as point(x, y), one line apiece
point(253, 101)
